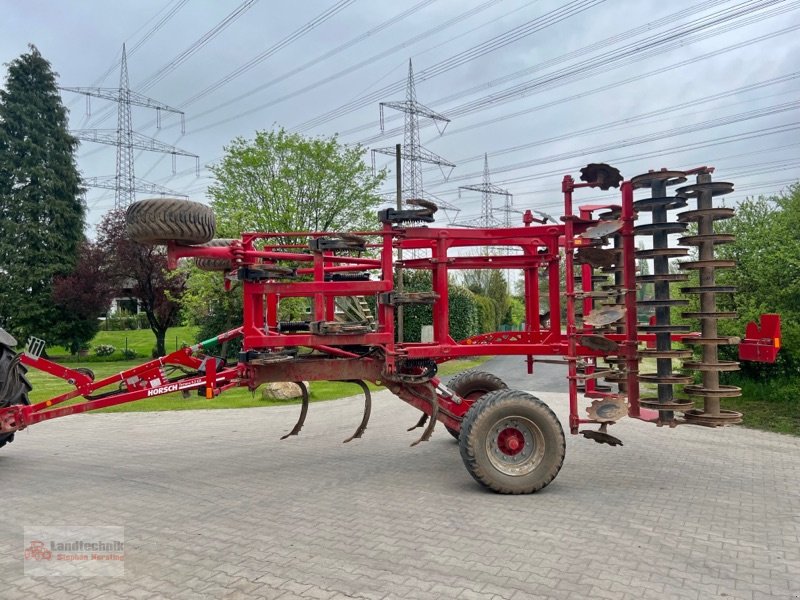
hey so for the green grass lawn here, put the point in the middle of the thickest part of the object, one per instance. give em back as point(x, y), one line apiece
point(141, 341)
point(769, 405)
point(46, 386)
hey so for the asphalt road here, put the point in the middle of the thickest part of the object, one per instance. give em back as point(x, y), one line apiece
point(513, 370)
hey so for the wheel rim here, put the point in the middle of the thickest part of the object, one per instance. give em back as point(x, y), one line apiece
point(515, 446)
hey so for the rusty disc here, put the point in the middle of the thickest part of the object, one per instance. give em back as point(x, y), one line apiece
point(725, 365)
point(664, 302)
point(608, 410)
point(597, 257)
point(709, 289)
point(614, 212)
point(654, 228)
point(601, 437)
point(715, 341)
point(653, 353)
point(602, 229)
point(598, 342)
point(656, 252)
point(604, 315)
point(665, 202)
point(725, 417)
point(671, 328)
point(675, 378)
point(723, 391)
point(663, 277)
point(715, 214)
point(717, 188)
point(710, 315)
point(595, 294)
point(601, 175)
point(647, 179)
point(653, 404)
point(713, 238)
point(704, 264)
point(616, 377)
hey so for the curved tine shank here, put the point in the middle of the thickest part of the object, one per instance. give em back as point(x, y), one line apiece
point(367, 410)
point(434, 400)
point(303, 412)
point(421, 423)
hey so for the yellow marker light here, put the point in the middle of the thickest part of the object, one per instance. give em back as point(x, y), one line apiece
point(777, 342)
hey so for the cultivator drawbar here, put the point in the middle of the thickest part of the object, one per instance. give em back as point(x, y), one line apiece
point(615, 318)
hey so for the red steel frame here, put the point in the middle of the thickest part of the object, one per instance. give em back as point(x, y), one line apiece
point(541, 247)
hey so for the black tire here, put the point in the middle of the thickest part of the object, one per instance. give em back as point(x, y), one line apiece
point(512, 443)
point(161, 220)
point(215, 264)
point(471, 385)
point(18, 393)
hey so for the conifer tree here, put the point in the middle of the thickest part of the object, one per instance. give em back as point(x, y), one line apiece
point(42, 213)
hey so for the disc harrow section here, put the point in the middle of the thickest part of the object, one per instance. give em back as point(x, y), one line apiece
point(661, 226)
point(706, 264)
point(600, 258)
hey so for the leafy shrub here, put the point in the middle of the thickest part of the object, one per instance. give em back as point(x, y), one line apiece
point(128, 354)
point(487, 313)
point(104, 350)
point(463, 313)
point(463, 309)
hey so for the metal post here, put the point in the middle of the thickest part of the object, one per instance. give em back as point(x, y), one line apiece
point(399, 269)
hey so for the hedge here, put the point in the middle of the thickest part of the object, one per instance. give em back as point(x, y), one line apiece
point(463, 309)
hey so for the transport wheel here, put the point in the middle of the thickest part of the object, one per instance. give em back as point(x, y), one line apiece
point(161, 220)
point(214, 264)
point(473, 384)
point(14, 391)
point(511, 442)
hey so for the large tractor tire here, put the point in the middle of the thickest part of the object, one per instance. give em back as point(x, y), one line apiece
point(14, 386)
point(472, 385)
point(161, 220)
point(512, 443)
point(215, 264)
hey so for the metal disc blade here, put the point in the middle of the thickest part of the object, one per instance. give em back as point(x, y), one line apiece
point(604, 315)
point(602, 229)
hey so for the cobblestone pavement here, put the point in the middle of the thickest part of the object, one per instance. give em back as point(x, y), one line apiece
point(215, 506)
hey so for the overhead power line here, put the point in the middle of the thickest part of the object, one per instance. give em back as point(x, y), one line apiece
point(320, 58)
point(275, 48)
point(184, 55)
point(570, 9)
point(720, 22)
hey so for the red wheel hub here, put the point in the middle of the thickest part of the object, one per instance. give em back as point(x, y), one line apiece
point(510, 441)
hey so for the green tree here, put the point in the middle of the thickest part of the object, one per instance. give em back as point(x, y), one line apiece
point(286, 182)
point(497, 291)
point(41, 208)
point(767, 273)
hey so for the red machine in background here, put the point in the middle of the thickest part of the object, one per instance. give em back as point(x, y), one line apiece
point(510, 441)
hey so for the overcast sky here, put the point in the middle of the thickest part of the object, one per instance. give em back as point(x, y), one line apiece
point(513, 73)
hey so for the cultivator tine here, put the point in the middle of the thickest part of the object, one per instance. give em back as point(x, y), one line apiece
point(303, 412)
point(434, 400)
point(367, 410)
point(421, 423)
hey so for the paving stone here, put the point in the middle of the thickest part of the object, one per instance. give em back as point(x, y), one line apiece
point(215, 506)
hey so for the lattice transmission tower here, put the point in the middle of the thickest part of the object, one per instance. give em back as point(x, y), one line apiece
point(488, 190)
point(124, 182)
point(413, 153)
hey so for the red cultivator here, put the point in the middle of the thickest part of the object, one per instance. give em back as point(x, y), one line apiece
point(510, 441)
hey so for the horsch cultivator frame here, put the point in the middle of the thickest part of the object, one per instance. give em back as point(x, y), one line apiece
point(510, 441)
